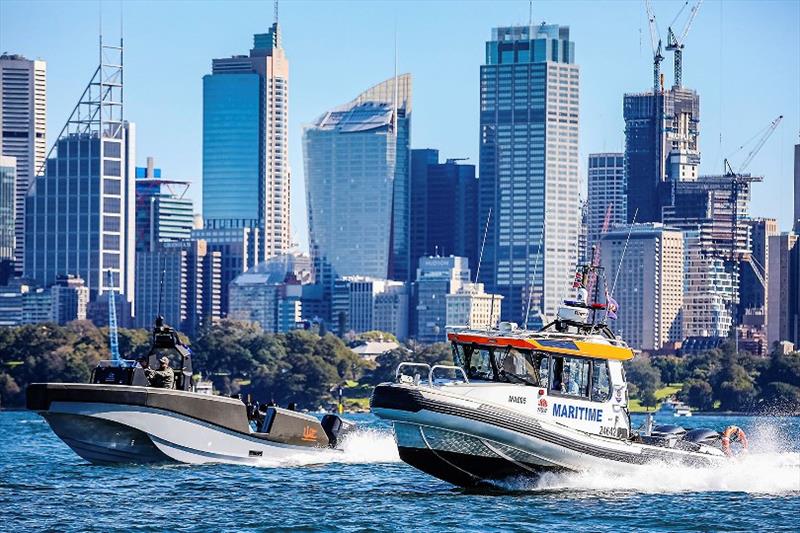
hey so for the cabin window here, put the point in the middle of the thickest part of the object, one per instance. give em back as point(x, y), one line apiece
point(458, 355)
point(480, 365)
point(571, 376)
point(601, 385)
point(522, 366)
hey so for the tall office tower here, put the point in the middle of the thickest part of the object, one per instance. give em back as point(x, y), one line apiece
point(661, 147)
point(163, 212)
point(436, 278)
point(529, 166)
point(23, 117)
point(364, 304)
point(246, 176)
point(180, 281)
point(356, 159)
point(755, 274)
point(70, 299)
point(443, 208)
point(8, 182)
point(607, 201)
point(783, 320)
point(80, 214)
point(238, 248)
point(796, 221)
point(649, 287)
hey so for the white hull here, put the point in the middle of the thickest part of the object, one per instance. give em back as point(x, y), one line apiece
point(110, 433)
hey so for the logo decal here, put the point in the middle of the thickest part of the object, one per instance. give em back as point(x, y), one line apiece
point(542, 406)
point(309, 433)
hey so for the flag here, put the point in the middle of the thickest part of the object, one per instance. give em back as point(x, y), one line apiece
point(611, 307)
point(578, 280)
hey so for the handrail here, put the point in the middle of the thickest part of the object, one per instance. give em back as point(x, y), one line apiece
point(397, 373)
point(446, 367)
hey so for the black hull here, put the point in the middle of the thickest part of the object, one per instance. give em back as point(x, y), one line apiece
point(468, 471)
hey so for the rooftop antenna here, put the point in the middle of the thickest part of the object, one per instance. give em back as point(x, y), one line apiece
point(530, 15)
point(394, 102)
point(480, 257)
point(276, 11)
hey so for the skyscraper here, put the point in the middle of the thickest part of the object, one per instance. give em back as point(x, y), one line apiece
point(8, 182)
point(443, 208)
point(246, 181)
point(649, 288)
point(755, 273)
point(796, 221)
point(80, 213)
point(356, 159)
point(662, 135)
point(783, 321)
point(436, 278)
point(607, 195)
point(163, 212)
point(23, 117)
point(529, 166)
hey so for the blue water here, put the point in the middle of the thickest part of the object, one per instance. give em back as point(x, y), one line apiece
point(44, 486)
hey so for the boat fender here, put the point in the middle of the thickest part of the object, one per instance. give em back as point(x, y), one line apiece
point(735, 434)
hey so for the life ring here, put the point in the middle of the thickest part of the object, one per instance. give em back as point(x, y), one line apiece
point(737, 435)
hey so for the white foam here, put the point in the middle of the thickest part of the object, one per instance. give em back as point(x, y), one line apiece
point(771, 467)
point(360, 447)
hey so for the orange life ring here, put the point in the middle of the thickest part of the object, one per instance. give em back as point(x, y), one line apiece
point(737, 434)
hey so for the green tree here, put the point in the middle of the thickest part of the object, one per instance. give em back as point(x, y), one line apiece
point(734, 386)
point(673, 369)
point(698, 394)
point(645, 378)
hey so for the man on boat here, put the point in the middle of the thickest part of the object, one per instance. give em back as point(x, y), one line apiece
point(163, 378)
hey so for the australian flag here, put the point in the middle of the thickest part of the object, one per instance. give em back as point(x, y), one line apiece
point(611, 307)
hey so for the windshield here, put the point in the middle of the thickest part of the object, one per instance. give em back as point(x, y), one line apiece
point(523, 366)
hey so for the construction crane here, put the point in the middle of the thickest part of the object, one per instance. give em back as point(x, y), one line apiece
point(113, 339)
point(676, 44)
point(655, 40)
point(739, 180)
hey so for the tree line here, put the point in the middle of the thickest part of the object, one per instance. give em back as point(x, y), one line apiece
point(721, 379)
point(302, 366)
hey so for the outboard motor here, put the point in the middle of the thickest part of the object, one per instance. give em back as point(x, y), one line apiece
point(336, 428)
point(705, 436)
point(667, 431)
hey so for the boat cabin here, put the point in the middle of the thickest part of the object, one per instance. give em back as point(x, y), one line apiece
point(574, 379)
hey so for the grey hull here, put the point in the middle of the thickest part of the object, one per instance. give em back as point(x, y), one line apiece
point(102, 441)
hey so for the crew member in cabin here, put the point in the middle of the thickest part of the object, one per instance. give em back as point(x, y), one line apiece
point(163, 378)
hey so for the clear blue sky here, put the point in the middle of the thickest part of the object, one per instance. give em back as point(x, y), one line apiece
point(742, 57)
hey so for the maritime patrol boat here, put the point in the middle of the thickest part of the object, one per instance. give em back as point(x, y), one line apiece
point(119, 418)
point(520, 402)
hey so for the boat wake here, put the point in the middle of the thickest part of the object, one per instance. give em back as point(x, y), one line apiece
point(361, 447)
point(772, 467)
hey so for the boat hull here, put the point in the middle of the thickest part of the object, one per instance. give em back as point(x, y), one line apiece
point(139, 425)
point(469, 443)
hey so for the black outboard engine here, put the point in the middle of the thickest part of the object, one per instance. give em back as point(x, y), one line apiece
point(705, 436)
point(667, 431)
point(336, 428)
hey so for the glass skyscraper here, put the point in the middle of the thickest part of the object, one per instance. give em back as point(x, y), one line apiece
point(163, 212)
point(79, 216)
point(8, 181)
point(245, 143)
point(356, 160)
point(529, 167)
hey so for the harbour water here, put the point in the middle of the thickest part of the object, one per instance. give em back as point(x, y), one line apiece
point(44, 486)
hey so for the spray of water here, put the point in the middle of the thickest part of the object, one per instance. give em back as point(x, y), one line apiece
point(360, 447)
point(771, 467)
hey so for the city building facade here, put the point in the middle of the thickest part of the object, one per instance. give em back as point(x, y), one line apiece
point(23, 130)
point(607, 202)
point(8, 182)
point(365, 304)
point(783, 320)
point(246, 175)
point(645, 270)
point(163, 212)
point(79, 216)
point(436, 278)
point(529, 182)
point(472, 307)
point(357, 174)
point(444, 207)
point(662, 134)
point(70, 299)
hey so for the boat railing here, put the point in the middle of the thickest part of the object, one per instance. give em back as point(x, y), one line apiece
point(430, 374)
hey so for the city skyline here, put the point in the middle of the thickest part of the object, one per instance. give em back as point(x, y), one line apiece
point(170, 120)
